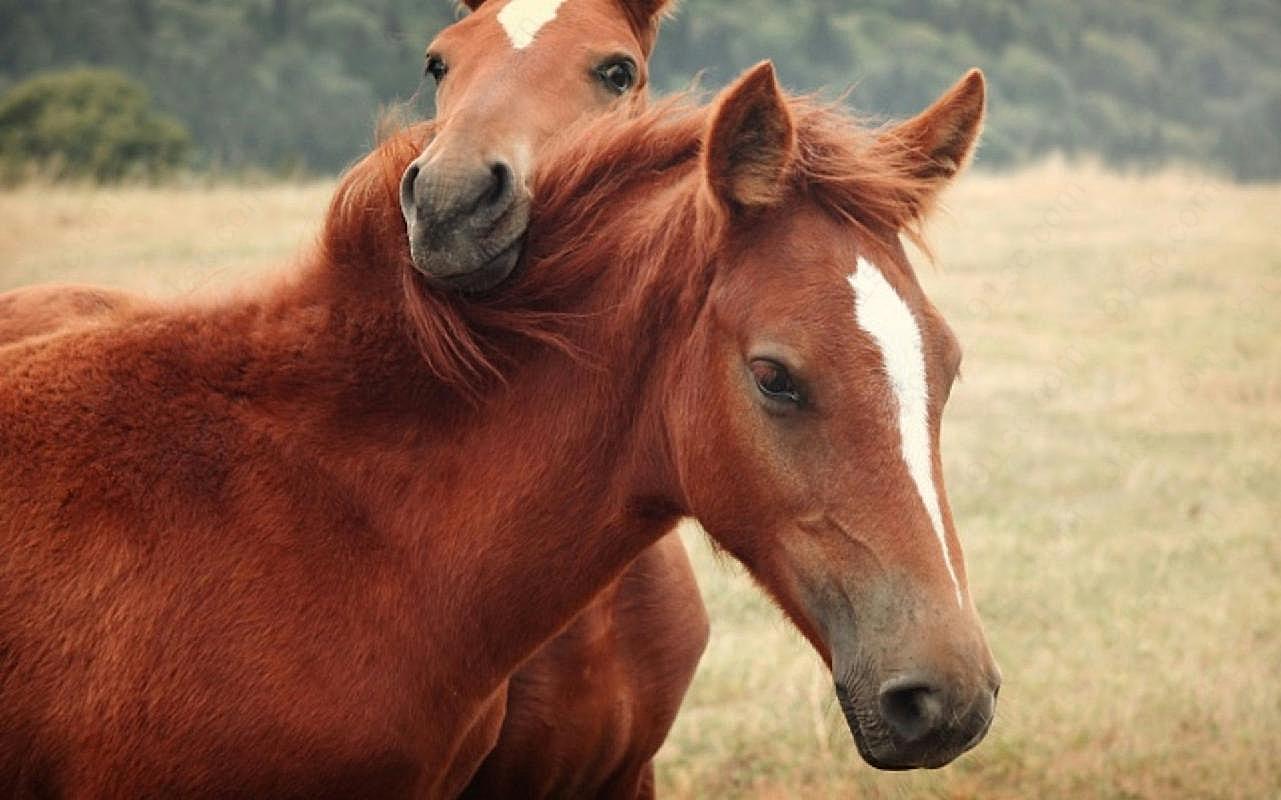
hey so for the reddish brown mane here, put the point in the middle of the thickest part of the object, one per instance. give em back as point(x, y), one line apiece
point(863, 176)
point(860, 175)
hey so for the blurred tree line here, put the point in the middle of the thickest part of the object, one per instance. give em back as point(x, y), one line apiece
point(86, 123)
point(287, 84)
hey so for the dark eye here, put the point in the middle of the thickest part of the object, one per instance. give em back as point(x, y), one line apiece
point(436, 68)
point(619, 75)
point(774, 382)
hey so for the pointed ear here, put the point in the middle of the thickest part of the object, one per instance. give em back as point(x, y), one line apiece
point(646, 10)
point(940, 141)
point(750, 146)
point(645, 16)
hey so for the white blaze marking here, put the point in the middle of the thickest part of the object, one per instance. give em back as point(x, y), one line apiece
point(883, 314)
point(523, 19)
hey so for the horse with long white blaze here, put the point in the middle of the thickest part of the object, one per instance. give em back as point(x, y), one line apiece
point(309, 571)
point(587, 712)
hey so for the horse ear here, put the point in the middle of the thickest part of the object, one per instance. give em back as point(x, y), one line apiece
point(750, 146)
point(646, 11)
point(940, 141)
point(646, 16)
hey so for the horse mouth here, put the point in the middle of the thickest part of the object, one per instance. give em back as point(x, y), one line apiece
point(470, 256)
point(862, 741)
point(466, 264)
point(493, 272)
point(868, 744)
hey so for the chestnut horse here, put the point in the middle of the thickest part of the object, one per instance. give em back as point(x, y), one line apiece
point(624, 664)
point(258, 548)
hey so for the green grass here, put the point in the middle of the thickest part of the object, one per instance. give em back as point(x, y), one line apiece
point(1112, 457)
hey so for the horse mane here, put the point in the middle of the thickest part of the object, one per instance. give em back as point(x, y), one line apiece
point(583, 222)
point(862, 176)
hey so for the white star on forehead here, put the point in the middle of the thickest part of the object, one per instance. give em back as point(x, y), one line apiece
point(887, 319)
point(523, 19)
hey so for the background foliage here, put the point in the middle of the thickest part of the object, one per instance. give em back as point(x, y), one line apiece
point(86, 123)
point(297, 83)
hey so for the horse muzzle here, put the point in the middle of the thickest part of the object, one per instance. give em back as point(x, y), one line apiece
point(466, 226)
point(914, 720)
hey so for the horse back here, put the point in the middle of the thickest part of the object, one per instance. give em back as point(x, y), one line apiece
point(39, 310)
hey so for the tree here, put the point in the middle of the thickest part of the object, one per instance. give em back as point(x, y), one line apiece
point(86, 123)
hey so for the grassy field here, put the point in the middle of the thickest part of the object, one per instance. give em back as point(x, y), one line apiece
point(1112, 458)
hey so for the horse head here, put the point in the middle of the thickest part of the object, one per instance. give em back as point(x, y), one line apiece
point(509, 77)
point(806, 422)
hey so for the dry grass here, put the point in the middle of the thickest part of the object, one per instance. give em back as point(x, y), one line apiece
point(161, 241)
point(1112, 457)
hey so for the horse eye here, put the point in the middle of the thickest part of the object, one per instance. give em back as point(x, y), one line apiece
point(436, 68)
point(774, 382)
point(618, 76)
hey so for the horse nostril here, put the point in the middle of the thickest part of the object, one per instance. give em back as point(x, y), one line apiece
point(407, 192)
point(502, 184)
point(911, 707)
